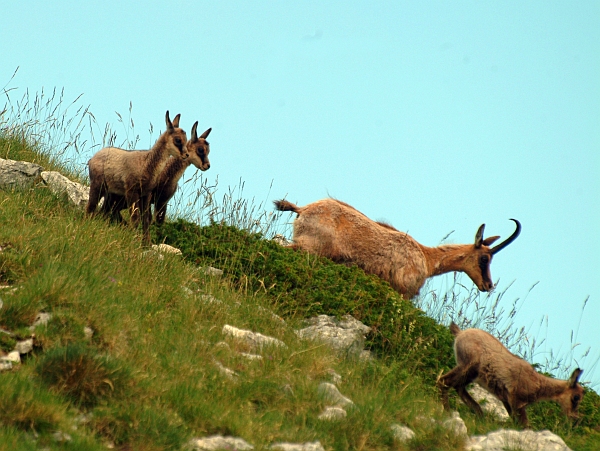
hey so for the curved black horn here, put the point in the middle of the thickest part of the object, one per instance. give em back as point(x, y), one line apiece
point(194, 131)
point(509, 240)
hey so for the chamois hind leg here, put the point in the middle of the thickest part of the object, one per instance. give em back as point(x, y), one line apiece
point(458, 378)
point(94, 197)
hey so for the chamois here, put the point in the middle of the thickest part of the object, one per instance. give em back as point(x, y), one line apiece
point(198, 149)
point(134, 174)
point(336, 230)
point(481, 358)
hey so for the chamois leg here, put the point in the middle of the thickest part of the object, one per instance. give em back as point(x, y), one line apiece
point(458, 378)
point(521, 417)
point(146, 217)
point(160, 209)
point(95, 189)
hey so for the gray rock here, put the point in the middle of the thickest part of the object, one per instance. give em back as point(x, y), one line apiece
point(61, 437)
point(508, 439)
point(253, 339)
point(335, 377)
point(41, 319)
point(330, 393)
point(489, 403)
point(218, 442)
point(314, 446)
point(210, 271)
point(5, 366)
point(166, 249)
point(24, 346)
point(456, 425)
point(18, 174)
point(402, 433)
point(251, 356)
point(88, 332)
point(346, 335)
point(332, 414)
point(13, 357)
point(228, 373)
point(281, 240)
point(77, 193)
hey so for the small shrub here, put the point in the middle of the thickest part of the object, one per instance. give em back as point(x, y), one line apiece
point(80, 374)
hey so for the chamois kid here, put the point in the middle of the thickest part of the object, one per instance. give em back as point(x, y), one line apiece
point(198, 149)
point(336, 230)
point(134, 174)
point(481, 358)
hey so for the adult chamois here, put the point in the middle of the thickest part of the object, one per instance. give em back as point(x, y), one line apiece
point(336, 230)
point(134, 174)
point(198, 149)
point(481, 358)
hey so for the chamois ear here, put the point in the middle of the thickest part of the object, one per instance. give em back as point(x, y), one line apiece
point(195, 132)
point(206, 133)
point(176, 121)
point(575, 377)
point(168, 122)
point(479, 236)
point(490, 240)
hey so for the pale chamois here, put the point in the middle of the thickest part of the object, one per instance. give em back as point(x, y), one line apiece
point(198, 149)
point(481, 358)
point(134, 174)
point(336, 230)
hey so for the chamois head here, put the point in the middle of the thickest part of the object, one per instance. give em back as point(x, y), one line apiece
point(569, 400)
point(175, 138)
point(199, 148)
point(477, 262)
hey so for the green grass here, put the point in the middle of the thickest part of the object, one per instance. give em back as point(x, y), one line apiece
point(147, 378)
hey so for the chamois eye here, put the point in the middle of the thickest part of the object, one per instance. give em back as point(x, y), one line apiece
point(576, 398)
point(484, 260)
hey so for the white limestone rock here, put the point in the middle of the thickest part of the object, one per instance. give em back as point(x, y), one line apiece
point(456, 425)
point(24, 346)
point(77, 193)
point(529, 440)
point(18, 174)
point(219, 442)
point(402, 433)
point(314, 446)
point(254, 339)
point(331, 394)
point(489, 403)
point(346, 335)
point(166, 249)
point(41, 319)
point(332, 414)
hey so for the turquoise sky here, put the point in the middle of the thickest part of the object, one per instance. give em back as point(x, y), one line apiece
point(435, 116)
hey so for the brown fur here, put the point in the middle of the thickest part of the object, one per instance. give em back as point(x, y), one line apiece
point(198, 150)
point(336, 230)
point(134, 174)
point(481, 358)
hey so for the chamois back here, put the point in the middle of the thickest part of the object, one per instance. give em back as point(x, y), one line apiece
point(336, 230)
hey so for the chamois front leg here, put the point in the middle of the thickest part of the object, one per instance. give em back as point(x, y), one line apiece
point(146, 213)
point(94, 197)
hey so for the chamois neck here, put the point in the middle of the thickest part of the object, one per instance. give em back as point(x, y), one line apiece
point(157, 158)
point(446, 258)
point(174, 169)
point(549, 388)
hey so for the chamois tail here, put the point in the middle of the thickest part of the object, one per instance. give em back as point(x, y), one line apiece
point(454, 329)
point(284, 205)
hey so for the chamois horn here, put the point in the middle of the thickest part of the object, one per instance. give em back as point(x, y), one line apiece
point(509, 240)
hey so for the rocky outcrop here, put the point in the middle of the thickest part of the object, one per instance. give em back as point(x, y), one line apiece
point(77, 193)
point(18, 174)
point(509, 439)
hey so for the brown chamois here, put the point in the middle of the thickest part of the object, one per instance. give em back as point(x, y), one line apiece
point(336, 230)
point(134, 174)
point(198, 149)
point(481, 358)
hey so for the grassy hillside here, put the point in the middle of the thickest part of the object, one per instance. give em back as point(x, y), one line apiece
point(148, 378)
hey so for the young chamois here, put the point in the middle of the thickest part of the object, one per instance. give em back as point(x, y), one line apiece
point(134, 174)
point(481, 358)
point(336, 230)
point(198, 149)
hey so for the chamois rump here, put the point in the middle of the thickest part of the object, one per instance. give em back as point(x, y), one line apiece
point(481, 358)
point(336, 230)
point(198, 149)
point(134, 174)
